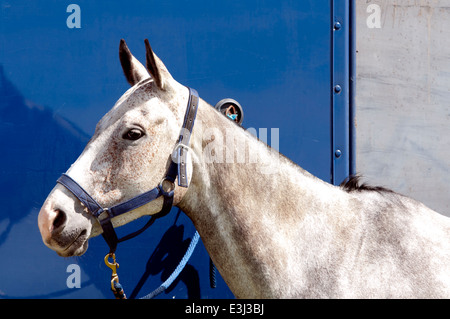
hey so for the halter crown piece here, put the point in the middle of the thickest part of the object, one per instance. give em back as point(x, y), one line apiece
point(175, 169)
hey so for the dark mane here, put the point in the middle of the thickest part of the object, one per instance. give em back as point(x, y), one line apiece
point(352, 184)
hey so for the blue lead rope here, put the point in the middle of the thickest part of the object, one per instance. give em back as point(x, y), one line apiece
point(166, 284)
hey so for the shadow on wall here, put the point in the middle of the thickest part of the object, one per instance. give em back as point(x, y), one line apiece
point(36, 147)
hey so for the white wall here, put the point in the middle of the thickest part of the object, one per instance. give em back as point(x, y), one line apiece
point(403, 97)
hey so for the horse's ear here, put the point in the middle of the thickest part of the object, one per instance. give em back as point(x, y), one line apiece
point(133, 69)
point(155, 66)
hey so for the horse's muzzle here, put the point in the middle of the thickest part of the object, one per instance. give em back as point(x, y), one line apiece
point(66, 241)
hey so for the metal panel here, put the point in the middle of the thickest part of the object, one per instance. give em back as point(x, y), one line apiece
point(279, 59)
point(403, 96)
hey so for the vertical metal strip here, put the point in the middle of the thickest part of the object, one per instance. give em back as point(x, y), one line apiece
point(341, 149)
point(352, 83)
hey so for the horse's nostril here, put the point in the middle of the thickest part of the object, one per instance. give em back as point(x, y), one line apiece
point(59, 220)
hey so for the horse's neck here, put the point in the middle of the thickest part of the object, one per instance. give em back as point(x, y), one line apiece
point(240, 207)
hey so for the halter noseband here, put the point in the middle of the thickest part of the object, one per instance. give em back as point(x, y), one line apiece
point(175, 169)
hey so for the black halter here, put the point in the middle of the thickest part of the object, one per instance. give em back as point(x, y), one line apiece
point(165, 188)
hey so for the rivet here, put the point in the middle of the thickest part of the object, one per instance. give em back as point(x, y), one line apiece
point(337, 89)
point(337, 25)
point(338, 153)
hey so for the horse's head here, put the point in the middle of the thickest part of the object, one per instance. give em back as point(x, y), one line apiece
point(128, 155)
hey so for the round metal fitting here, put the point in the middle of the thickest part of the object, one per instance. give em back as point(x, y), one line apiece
point(167, 187)
point(231, 109)
point(337, 25)
point(337, 89)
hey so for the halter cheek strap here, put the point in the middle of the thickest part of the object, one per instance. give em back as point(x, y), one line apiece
point(185, 135)
point(175, 169)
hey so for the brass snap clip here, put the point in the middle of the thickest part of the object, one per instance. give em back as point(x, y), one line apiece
point(116, 287)
point(114, 265)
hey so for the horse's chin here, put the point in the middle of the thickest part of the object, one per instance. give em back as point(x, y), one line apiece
point(77, 248)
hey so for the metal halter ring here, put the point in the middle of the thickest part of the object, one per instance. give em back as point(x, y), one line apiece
point(164, 190)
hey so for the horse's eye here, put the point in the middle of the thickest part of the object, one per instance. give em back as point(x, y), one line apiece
point(133, 134)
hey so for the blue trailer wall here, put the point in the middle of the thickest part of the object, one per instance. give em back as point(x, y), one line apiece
point(282, 60)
